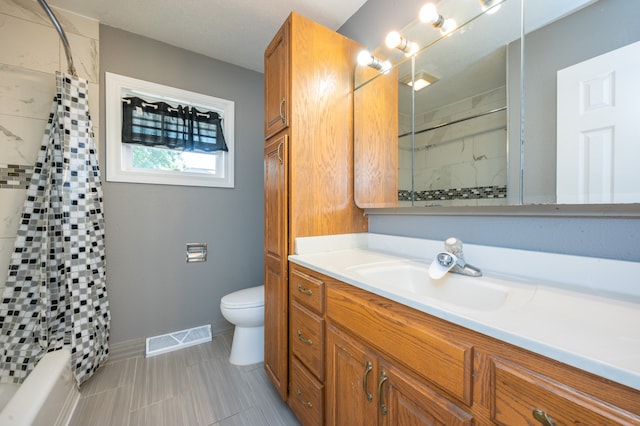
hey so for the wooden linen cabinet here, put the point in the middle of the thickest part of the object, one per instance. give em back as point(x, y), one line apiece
point(308, 162)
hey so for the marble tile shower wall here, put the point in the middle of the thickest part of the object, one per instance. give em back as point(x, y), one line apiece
point(30, 55)
point(459, 164)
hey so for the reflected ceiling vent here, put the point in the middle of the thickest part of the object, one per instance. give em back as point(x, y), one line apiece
point(422, 79)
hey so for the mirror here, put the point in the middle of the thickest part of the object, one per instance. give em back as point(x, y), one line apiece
point(460, 140)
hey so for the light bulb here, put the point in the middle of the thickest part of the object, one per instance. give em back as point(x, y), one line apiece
point(494, 9)
point(365, 58)
point(490, 6)
point(411, 49)
point(393, 39)
point(448, 26)
point(429, 14)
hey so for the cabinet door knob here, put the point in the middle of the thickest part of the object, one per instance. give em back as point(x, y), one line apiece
point(304, 402)
point(304, 290)
point(304, 340)
point(367, 369)
point(543, 417)
point(383, 378)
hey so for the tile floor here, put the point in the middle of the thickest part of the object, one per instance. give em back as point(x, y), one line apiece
point(193, 386)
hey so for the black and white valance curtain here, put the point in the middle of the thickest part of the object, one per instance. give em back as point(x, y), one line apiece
point(55, 292)
point(181, 128)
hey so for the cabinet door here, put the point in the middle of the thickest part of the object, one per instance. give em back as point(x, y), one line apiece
point(276, 82)
point(275, 263)
point(375, 141)
point(351, 381)
point(405, 400)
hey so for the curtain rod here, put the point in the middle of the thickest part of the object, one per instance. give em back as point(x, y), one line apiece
point(65, 42)
point(437, 126)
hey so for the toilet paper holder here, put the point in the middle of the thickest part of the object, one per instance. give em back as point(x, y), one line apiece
point(196, 252)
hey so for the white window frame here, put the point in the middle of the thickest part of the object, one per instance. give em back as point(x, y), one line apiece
point(119, 170)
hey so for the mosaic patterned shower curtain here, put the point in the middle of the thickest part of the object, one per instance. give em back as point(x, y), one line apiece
point(55, 292)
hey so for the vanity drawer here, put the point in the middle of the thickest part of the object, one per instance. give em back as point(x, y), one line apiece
point(306, 289)
point(307, 337)
point(522, 396)
point(306, 396)
point(406, 335)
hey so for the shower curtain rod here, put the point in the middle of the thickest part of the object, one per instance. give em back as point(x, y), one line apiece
point(65, 42)
point(438, 126)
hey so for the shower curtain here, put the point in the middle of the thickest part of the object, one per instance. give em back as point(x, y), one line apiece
point(55, 292)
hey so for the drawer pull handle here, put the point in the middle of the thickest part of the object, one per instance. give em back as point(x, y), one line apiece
point(282, 117)
point(304, 290)
point(303, 340)
point(543, 418)
point(304, 402)
point(383, 378)
point(367, 369)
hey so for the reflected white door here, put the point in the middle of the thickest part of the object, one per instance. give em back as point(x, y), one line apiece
point(598, 133)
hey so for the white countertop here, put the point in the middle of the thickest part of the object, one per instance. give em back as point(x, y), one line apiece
point(582, 311)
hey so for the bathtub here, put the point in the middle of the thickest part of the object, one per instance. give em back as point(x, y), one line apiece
point(48, 395)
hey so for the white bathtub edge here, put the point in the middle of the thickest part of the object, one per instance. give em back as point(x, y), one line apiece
point(47, 393)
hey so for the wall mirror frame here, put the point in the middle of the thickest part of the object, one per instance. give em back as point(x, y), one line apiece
point(517, 173)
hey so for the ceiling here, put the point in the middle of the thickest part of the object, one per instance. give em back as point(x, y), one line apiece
point(234, 31)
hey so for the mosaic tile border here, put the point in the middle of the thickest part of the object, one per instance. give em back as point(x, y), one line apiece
point(476, 193)
point(14, 176)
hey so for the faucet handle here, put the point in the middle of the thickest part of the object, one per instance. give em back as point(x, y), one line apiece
point(442, 264)
point(454, 246)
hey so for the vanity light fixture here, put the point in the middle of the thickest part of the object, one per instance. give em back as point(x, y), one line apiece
point(430, 15)
point(395, 40)
point(421, 80)
point(490, 6)
point(365, 58)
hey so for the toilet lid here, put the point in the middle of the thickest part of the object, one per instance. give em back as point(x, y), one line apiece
point(247, 298)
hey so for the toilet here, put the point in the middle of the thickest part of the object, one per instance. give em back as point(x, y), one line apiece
point(245, 309)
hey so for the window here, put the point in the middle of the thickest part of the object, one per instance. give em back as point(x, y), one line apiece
point(163, 135)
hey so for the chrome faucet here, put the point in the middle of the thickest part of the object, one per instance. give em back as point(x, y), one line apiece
point(452, 260)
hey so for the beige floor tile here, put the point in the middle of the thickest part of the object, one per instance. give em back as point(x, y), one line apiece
point(171, 412)
point(250, 417)
point(269, 401)
point(220, 390)
point(110, 376)
point(196, 386)
point(158, 378)
point(108, 408)
point(217, 348)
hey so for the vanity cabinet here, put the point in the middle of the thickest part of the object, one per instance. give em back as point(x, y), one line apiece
point(388, 364)
point(308, 162)
point(363, 388)
point(391, 368)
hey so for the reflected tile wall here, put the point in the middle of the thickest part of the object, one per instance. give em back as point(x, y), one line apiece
point(459, 164)
point(27, 87)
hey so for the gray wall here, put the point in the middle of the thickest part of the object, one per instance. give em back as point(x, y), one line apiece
point(609, 237)
point(151, 289)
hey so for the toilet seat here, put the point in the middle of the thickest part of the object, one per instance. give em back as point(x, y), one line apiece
point(248, 298)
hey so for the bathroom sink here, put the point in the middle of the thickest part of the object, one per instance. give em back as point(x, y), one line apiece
point(410, 280)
